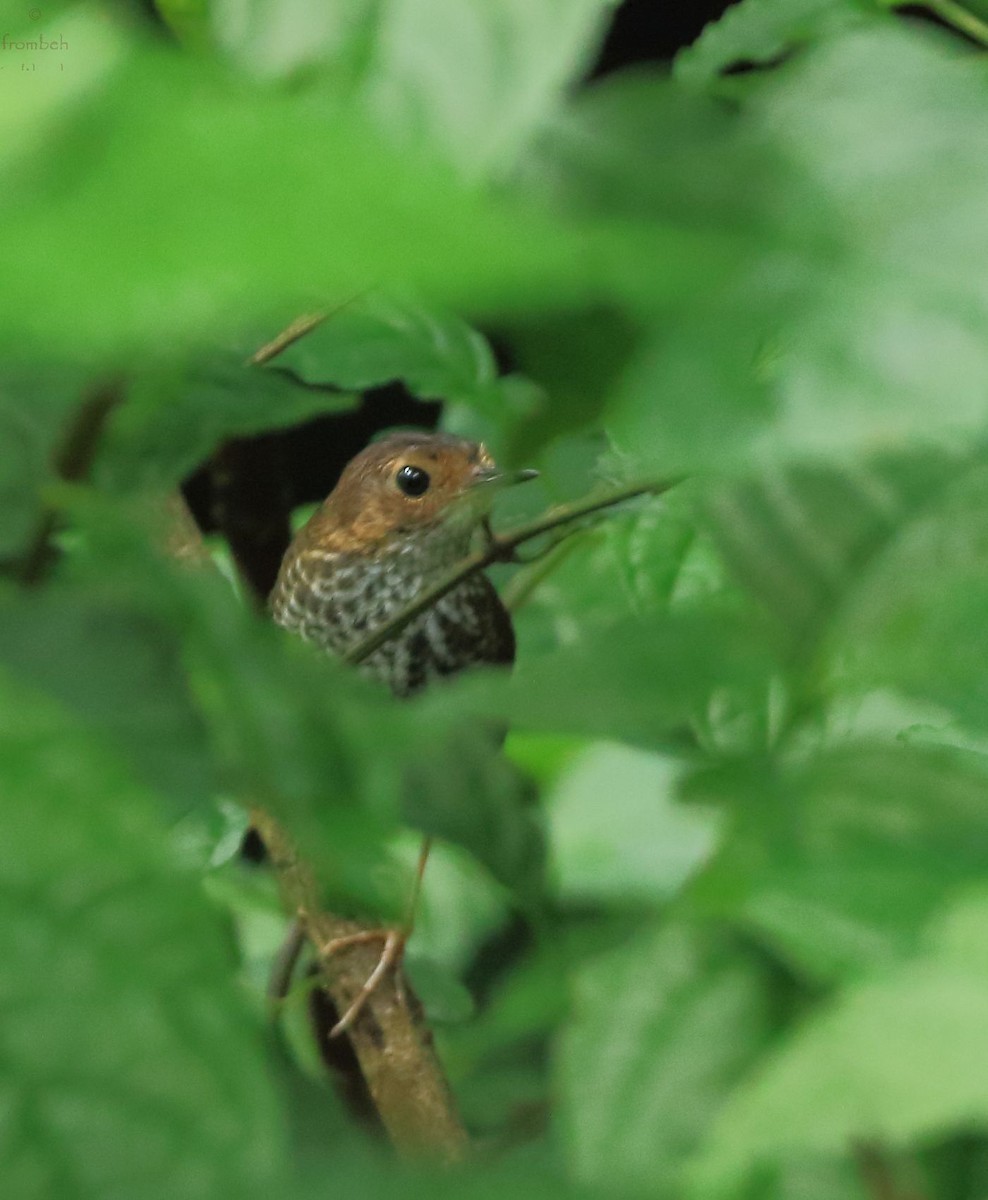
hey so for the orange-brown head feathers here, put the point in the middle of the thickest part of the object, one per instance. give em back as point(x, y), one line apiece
point(404, 483)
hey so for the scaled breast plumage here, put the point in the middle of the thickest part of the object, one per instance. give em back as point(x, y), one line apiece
point(335, 598)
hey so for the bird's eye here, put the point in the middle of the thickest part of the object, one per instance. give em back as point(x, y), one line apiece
point(413, 481)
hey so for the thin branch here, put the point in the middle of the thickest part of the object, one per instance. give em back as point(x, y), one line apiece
point(959, 18)
point(288, 337)
point(500, 548)
point(285, 962)
point(524, 583)
point(73, 461)
point(296, 330)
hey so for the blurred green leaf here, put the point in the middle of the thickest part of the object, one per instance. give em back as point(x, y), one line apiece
point(444, 997)
point(890, 1059)
point(478, 80)
point(120, 672)
point(187, 19)
point(33, 412)
point(173, 421)
point(475, 82)
point(375, 339)
point(576, 359)
point(840, 860)
point(304, 739)
point(280, 38)
point(460, 906)
point(130, 1065)
point(636, 680)
point(628, 563)
point(759, 32)
point(178, 144)
point(916, 622)
point(803, 540)
point(854, 327)
point(636, 146)
point(639, 846)
point(462, 788)
point(663, 1028)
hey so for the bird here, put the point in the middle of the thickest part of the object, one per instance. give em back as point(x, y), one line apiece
point(405, 511)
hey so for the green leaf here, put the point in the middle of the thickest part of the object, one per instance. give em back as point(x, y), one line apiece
point(34, 409)
point(173, 421)
point(600, 155)
point(802, 541)
point(478, 80)
point(376, 339)
point(640, 846)
point(636, 680)
point(120, 672)
point(272, 39)
point(662, 1029)
point(889, 1060)
point(576, 359)
point(916, 623)
point(839, 861)
point(187, 19)
point(760, 32)
point(627, 564)
point(131, 1066)
point(460, 906)
point(252, 212)
point(852, 330)
point(445, 999)
point(475, 82)
point(462, 788)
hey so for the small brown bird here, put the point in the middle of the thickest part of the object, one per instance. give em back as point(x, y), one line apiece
point(404, 512)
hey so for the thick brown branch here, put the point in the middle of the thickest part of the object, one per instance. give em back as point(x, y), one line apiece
point(390, 1038)
point(500, 548)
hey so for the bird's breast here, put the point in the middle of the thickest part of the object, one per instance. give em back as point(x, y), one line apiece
point(337, 599)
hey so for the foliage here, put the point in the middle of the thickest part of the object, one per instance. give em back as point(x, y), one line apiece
point(718, 908)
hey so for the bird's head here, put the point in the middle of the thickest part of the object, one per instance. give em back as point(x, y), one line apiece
point(408, 482)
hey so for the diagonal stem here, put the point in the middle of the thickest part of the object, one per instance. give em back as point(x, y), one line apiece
point(957, 16)
point(73, 462)
point(499, 549)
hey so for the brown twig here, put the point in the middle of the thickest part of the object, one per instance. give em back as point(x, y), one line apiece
point(500, 548)
point(288, 337)
point(72, 463)
point(298, 329)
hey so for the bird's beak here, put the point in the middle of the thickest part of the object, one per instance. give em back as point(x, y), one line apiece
point(495, 477)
